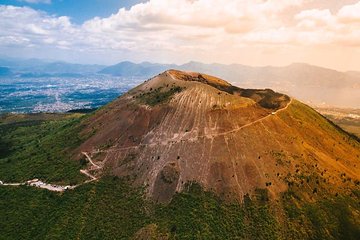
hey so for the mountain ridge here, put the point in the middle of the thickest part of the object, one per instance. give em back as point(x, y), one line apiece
point(42, 67)
point(311, 84)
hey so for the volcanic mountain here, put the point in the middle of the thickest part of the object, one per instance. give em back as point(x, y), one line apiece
point(181, 127)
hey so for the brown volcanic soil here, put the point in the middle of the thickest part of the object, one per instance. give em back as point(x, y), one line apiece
point(179, 127)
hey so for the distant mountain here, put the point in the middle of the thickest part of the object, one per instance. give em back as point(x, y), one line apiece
point(22, 64)
point(296, 73)
point(128, 69)
point(4, 71)
point(63, 67)
point(41, 67)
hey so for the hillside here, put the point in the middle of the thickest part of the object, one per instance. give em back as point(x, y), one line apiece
point(180, 127)
point(182, 156)
point(41, 68)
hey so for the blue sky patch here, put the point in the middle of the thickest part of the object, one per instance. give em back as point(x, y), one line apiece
point(78, 10)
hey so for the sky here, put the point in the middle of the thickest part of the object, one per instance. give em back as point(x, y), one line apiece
point(251, 32)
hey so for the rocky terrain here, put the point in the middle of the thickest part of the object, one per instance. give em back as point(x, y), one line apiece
point(180, 127)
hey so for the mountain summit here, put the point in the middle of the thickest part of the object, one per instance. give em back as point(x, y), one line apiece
point(181, 127)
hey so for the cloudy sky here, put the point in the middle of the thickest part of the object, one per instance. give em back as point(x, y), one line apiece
point(251, 32)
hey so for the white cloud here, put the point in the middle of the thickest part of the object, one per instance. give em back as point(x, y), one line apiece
point(199, 14)
point(323, 26)
point(234, 21)
point(350, 13)
point(37, 27)
point(183, 24)
point(181, 30)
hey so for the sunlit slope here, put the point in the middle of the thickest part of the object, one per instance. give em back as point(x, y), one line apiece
point(181, 126)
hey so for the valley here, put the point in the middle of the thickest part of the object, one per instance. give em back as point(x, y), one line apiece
point(348, 119)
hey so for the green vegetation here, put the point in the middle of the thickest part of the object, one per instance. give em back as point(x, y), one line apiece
point(40, 149)
point(196, 214)
point(331, 217)
point(108, 209)
point(158, 95)
point(111, 209)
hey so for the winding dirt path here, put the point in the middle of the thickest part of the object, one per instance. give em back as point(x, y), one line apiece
point(58, 188)
point(85, 172)
point(251, 123)
point(90, 160)
point(192, 139)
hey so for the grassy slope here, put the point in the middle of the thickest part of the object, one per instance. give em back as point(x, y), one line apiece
point(108, 209)
point(332, 217)
point(158, 95)
point(39, 149)
point(330, 214)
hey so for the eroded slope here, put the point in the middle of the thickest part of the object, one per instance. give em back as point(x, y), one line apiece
point(180, 127)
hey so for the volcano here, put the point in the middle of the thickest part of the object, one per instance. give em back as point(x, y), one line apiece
point(180, 127)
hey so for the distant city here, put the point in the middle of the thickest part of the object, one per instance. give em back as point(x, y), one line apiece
point(55, 94)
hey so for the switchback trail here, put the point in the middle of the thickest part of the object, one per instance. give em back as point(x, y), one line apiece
point(58, 188)
point(90, 160)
